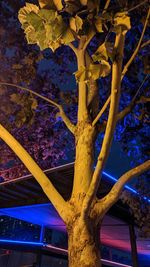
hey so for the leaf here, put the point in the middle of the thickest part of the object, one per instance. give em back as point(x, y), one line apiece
point(101, 53)
point(30, 35)
point(67, 37)
point(34, 104)
point(122, 20)
point(34, 20)
point(94, 71)
point(105, 68)
point(48, 15)
point(76, 24)
point(47, 3)
point(28, 8)
point(99, 70)
point(80, 74)
point(58, 4)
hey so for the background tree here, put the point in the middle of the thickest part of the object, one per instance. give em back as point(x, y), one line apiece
point(96, 34)
point(33, 123)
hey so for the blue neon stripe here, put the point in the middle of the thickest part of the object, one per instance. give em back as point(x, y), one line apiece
point(126, 186)
point(21, 242)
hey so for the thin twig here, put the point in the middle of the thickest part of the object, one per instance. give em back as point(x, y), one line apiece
point(101, 111)
point(140, 87)
point(66, 120)
point(145, 44)
point(106, 6)
point(53, 103)
point(137, 6)
point(137, 48)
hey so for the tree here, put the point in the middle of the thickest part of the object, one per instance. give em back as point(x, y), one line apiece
point(82, 25)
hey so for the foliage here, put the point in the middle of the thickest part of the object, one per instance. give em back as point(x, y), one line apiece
point(32, 121)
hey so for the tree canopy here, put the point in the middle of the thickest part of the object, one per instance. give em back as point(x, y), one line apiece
point(22, 64)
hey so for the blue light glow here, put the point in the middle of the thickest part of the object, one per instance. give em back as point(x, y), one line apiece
point(21, 242)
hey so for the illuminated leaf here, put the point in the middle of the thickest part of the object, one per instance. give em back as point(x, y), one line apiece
point(122, 21)
point(47, 3)
point(67, 37)
point(30, 35)
point(101, 53)
point(49, 15)
point(76, 24)
point(94, 71)
point(105, 68)
point(99, 70)
point(81, 74)
point(34, 20)
point(28, 8)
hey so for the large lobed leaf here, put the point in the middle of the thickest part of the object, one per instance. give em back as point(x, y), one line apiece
point(44, 27)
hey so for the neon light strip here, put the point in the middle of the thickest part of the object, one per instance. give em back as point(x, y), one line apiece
point(115, 264)
point(21, 242)
point(126, 186)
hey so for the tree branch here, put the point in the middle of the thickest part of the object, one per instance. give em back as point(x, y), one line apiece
point(106, 6)
point(137, 48)
point(59, 203)
point(111, 124)
point(82, 88)
point(66, 120)
point(89, 38)
point(145, 44)
point(121, 115)
point(101, 111)
point(112, 197)
point(137, 6)
point(125, 69)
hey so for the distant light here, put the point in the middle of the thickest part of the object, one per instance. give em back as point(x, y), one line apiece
point(126, 186)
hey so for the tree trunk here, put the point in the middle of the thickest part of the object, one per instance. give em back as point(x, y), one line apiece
point(83, 244)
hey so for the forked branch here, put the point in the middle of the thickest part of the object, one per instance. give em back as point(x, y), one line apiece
point(57, 200)
point(111, 124)
point(127, 65)
point(111, 198)
point(66, 120)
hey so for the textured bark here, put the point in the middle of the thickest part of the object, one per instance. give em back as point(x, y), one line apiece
point(83, 244)
point(85, 139)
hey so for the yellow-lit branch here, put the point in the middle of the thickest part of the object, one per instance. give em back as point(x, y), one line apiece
point(111, 124)
point(126, 66)
point(59, 203)
point(111, 198)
